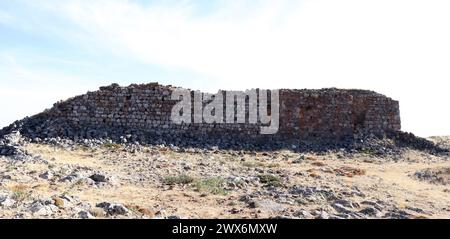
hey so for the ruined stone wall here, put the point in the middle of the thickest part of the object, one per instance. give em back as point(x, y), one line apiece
point(335, 113)
point(326, 113)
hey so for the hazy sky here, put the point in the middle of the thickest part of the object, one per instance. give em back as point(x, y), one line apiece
point(53, 49)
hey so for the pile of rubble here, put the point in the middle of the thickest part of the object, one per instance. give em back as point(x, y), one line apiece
point(10, 146)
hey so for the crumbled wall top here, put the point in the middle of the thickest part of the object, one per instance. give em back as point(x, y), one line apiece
point(146, 110)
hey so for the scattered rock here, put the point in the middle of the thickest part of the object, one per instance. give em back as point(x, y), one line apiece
point(72, 177)
point(434, 175)
point(252, 204)
point(268, 205)
point(314, 194)
point(374, 204)
point(39, 208)
point(6, 177)
point(85, 215)
point(113, 209)
point(47, 175)
point(347, 203)
point(323, 215)
point(371, 211)
point(303, 214)
point(97, 212)
point(99, 178)
point(397, 214)
point(253, 192)
point(6, 200)
point(341, 209)
point(59, 202)
point(235, 211)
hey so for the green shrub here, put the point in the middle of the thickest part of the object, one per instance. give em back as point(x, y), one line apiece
point(213, 185)
point(270, 180)
point(180, 179)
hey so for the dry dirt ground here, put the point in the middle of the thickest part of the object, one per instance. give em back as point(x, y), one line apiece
point(115, 181)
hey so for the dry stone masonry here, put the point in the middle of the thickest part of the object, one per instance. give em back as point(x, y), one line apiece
point(143, 113)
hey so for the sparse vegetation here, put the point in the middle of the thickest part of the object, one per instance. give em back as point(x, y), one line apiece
point(252, 164)
point(20, 192)
point(270, 180)
point(318, 164)
point(213, 185)
point(434, 175)
point(113, 146)
point(230, 158)
point(75, 184)
point(140, 210)
point(258, 164)
point(226, 184)
point(180, 179)
point(349, 171)
point(83, 148)
point(310, 158)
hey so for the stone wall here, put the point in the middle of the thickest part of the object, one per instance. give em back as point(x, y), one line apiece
point(304, 114)
point(335, 113)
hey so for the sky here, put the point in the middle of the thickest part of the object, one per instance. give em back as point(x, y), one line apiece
point(51, 50)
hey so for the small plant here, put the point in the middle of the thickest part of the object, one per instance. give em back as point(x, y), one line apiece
point(20, 196)
point(252, 164)
point(20, 192)
point(230, 158)
point(349, 171)
point(310, 158)
point(270, 180)
point(169, 154)
point(272, 165)
point(140, 210)
point(257, 164)
point(180, 179)
point(318, 164)
point(84, 148)
point(112, 146)
point(211, 185)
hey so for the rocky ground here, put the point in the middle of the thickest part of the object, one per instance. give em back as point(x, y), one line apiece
point(61, 179)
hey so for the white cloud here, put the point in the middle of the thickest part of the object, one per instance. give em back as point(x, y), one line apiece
point(320, 40)
point(397, 47)
point(25, 91)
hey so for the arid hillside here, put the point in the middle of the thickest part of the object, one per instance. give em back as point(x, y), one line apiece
point(62, 179)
